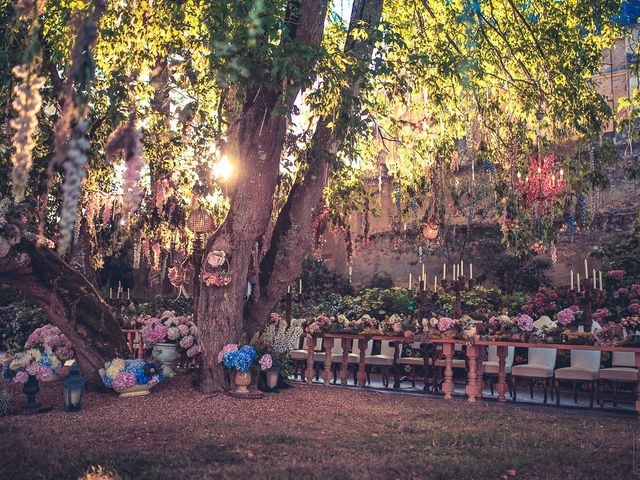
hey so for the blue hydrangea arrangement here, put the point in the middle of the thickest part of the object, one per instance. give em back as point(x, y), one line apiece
point(240, 359)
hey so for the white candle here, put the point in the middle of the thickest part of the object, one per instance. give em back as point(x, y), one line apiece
point(594, 279)
point(300, 285)
point(462, 267)
point(471, 270)
point(571, 279)
point(435, 283)
point(424, 283)
point(600, 278)
point(289, 289)
point(586, 269)
point(444, 271)
point(128, 293)
point(578, 277)
point(423, 275)
point(410, 281)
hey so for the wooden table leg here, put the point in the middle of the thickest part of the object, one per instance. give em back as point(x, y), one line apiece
point(309, 373)
point(428, 369)
point(362, 372)
point(502, 374)
point(480, 380)
point(472, 388)
point(447, 386)
point(397, 368)
point(638, 385)
point(344, 369)
point(328, 346)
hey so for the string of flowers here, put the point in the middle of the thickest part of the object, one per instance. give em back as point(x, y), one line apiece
point(27, 102)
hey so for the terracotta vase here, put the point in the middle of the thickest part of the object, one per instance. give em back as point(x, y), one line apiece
point(242, 381)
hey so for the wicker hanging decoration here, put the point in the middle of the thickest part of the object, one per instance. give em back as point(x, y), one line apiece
point(200, 221)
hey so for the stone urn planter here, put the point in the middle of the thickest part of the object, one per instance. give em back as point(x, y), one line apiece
point(31, 388)
point(135, 391)
point(242, 381)
point(167, 353)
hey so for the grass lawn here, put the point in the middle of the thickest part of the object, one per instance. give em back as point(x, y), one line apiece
point(311, 432)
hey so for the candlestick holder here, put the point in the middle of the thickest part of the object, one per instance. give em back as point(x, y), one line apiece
point(587, 299)
point(425, 298)
point(457, 286)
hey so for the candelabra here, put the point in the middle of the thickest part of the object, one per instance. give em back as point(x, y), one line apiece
point(457, 286)
point(586, 299)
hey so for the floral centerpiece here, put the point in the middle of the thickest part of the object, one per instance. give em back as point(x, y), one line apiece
point(500, 327)
point(398, 325)
point(51, 341)
point(170, 335)
point(318, 325)
point(241, 359)
point(131, 377)
point(30, 363)
point(631, 325)
point(443, 327)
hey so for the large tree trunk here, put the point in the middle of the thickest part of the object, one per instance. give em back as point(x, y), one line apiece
point(291, 237)
point(70, 302)
point(255, 146)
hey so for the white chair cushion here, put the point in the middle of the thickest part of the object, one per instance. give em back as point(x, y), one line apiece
point(318, 356)
point(493, 368)
point(381, 360)
point(576, 373)
point(619, 374)
point(532, 370)
point(412, 361)
point(298, 354)
point(457, 363)
point(351, 358)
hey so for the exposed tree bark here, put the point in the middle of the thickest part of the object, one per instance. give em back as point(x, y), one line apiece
point(291, 237)
point(255, 142)
point(70, 302)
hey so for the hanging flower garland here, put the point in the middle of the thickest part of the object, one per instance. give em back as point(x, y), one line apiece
point(75, 172)
point(126, 139)
point(27, 102)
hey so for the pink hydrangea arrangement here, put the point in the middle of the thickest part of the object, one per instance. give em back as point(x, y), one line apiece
point(50, 340)
point(30, 363)
point(565, 317)
point(230, 347)
point(524, 322)
point(445, 323)
point(171, 328)
point(616, 274)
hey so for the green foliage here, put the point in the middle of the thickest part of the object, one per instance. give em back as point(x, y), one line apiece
point(623, 254)
point(379, 280)
point(158, 304)
point(317, 280)
point(18, 318)
point(5, 401)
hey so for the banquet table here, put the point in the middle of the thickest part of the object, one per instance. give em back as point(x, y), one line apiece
point(474, 354)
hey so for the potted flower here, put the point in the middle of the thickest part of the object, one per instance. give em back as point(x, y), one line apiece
point(275, 344)
point(131, 378)
point(51, 341)
point(29, 368)
point(240, 361)
point(170, 335)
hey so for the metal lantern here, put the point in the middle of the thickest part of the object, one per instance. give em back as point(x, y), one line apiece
point(73, 389)
point(430, 230)
point(200, 221)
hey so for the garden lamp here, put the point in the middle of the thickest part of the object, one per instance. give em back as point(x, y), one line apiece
point(73, 389)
